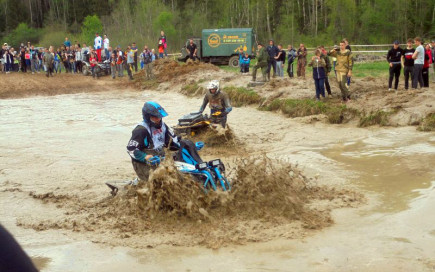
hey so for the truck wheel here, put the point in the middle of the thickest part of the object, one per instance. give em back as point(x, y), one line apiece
point(234, 61)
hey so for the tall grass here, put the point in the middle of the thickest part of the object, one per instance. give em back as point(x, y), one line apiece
point(298, 108)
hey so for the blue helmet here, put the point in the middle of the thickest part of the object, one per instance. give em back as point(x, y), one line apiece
point(151, 108)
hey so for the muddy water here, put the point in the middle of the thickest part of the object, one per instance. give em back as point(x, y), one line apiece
point(393, 167)
point(71, 142)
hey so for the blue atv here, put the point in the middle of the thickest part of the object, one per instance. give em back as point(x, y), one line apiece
point(187, 161)
point(211, 174)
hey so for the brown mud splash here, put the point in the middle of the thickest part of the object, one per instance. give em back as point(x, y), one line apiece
point(269, 199)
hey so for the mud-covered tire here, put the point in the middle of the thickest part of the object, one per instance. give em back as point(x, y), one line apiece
point(97, 70)
point(234, 61)
point(85, 70)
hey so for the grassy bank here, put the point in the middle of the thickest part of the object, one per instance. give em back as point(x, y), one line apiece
point(361, 69)
point(336, 113)
point(428, 123)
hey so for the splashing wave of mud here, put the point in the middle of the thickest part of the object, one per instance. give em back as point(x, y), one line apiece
point(269, 199)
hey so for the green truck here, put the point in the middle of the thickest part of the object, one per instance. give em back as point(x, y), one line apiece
point(222, 46)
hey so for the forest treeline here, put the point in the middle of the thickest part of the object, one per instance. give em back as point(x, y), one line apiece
point(287, 21)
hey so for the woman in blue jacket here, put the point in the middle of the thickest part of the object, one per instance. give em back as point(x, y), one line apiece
point(319, 73)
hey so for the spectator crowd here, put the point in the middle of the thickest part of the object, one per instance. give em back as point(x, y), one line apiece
point(101, 57)
point(79, 58)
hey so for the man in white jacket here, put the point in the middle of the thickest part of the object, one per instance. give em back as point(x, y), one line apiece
point(106, 46)
point(98, 42)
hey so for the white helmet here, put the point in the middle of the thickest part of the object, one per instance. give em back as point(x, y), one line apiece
point(214, 84)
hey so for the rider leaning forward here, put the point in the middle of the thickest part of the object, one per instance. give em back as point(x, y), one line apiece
point(218, 100)
point(148, 140)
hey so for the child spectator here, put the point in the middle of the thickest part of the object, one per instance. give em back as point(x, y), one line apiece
point(241, 55)
point(119, 62)
point(161, 49)
point(153, 57)
point(93, 63)
point(141, 59)
point(245, 61)
point(319, 73)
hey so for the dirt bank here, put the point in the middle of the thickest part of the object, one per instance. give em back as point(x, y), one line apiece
point(18, 85)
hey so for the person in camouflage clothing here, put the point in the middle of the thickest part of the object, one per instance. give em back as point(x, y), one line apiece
point(343, 68)
point(262, 58)
point(302, 60)
point(328, 68)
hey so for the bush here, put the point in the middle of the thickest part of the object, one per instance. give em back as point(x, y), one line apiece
point(55, 37)
point(240, 96)
point(22, 34)
point(90, 26)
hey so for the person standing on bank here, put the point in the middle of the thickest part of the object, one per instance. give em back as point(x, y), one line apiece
point(426, 66)
point(291, 56)
point(106, 45)
point(261, 63)
point(272, 50)
point(302, 60)
point(408, 63)
point(343, 68)
point(328, 68)
point(280, 61)
point(418, 57)
point(48, 61)
point(164, 41)
point(394, 57)
point(319, 73)
point(98, 43)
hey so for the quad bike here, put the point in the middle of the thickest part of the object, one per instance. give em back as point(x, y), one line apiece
point(210, 174)
point(194, 123)
point(101, 69)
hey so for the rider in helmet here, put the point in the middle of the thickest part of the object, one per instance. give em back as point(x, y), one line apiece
point(148, 140)
point(219, 101)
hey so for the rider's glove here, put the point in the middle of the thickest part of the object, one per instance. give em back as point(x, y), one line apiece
point(228, 110)
point(154, 161)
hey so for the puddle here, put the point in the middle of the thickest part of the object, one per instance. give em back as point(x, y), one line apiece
point(393, 169)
